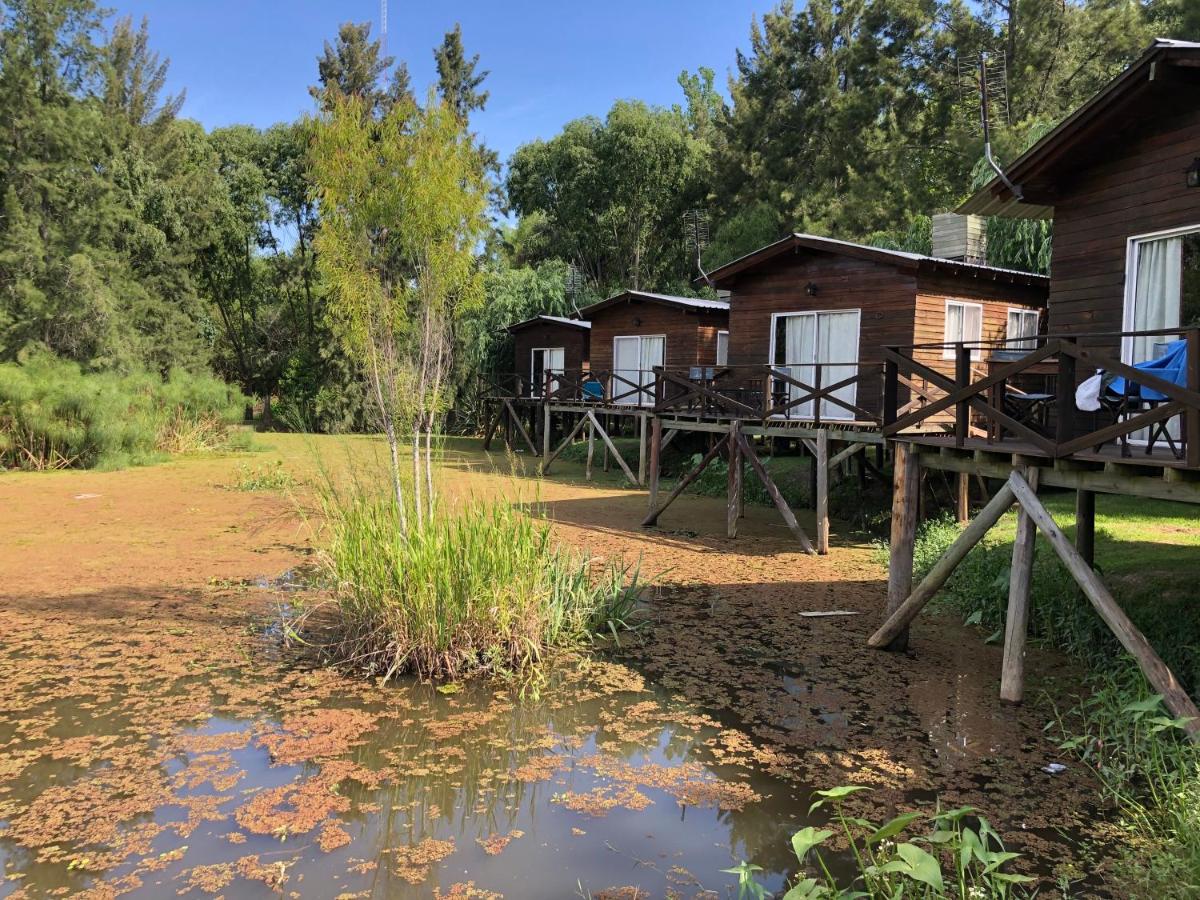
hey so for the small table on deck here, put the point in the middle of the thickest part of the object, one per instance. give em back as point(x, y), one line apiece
point(1028, 408)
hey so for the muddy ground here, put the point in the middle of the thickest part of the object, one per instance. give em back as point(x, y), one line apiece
point(157, 739)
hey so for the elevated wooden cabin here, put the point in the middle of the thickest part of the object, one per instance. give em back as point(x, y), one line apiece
point(1121, 179)
point(824, 309)
point(635, 331)
point(551, 344)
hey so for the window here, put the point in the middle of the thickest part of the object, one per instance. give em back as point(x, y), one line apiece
point(812, 345)
point(722, 348)
point(634, 359)
point(964, 323)
point(1022, 329)
point(545, 360)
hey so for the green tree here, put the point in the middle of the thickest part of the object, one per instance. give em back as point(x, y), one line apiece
point(610, 195)
point(458, 82)
point(353, 66)
point(402, 202)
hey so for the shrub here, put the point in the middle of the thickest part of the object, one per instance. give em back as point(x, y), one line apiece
point(480, 588)
point(53, 415)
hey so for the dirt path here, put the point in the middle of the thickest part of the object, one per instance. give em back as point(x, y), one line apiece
point(168, 551)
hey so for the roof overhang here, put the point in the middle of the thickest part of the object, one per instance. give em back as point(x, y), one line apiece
point(1167, 68)
point(684, 304)
point(896, 258)
point(549, 320)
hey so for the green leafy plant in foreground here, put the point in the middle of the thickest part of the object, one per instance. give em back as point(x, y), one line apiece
point(267, 477)
point(961, 856)
point(476, 588)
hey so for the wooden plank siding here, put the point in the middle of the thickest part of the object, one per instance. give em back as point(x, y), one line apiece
point(1135, 187)
point(691, 334)
point(572, 339)
point(899, 306)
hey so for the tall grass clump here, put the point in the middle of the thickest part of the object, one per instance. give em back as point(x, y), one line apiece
point(1150, 770)
point(53, 415)
point(478, 588)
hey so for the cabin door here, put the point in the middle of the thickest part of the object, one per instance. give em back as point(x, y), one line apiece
point(1162, 292)
point(543, 360)
point(812, 345)
point(634, 359)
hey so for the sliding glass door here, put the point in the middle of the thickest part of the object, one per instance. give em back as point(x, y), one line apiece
point(806, 343)
point(634, 359)
point(545, 360)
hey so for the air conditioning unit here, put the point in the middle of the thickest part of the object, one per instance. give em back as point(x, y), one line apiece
point(961, 238)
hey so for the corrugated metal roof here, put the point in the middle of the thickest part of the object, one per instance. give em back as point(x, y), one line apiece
point(556, 320)
point(670, 299)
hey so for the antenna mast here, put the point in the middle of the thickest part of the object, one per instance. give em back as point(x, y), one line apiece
point(986, 76)
point(383, 25)
point(695, 233)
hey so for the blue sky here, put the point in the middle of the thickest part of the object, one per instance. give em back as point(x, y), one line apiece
point(251, 61)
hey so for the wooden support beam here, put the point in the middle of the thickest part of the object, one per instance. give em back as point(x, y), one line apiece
point(943, 568)
point(822, 505)
point(845, 453)
point(655, 463)
point(906, 491)
point(643, 438)
point(490, 429)
point(1161, 678)
point(687, 479)
point(546, 425)
point(515, 419)
point(591, 441)
point(563, 446)
point(1085, 526)
point(672, 433)
point(775, 494)
point(962, 498)
point(734, 448)
point(1016, 622)
point(611, 447)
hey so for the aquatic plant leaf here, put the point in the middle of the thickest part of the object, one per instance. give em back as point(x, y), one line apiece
point(892, 828)
point(921, 866)
point(807, 838)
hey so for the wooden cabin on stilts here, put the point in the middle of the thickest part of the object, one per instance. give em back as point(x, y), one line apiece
point(1107, 399)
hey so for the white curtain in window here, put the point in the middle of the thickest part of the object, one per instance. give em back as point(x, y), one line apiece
point(722, 348)
point(837, 351)
point(652, 353)
point(626, 356)
point(800, 352)
point(1157, 294)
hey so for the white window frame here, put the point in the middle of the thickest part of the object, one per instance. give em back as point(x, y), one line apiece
point(535, 383)
point(948, 352)
point(840, 412)
point(646, 397)
point(1014, 339)
point(718, 361)
point(1132, 244)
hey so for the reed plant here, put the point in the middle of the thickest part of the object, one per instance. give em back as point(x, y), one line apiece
point(478, 587)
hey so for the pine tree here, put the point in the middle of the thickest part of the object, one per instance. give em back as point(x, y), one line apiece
point(458, 83)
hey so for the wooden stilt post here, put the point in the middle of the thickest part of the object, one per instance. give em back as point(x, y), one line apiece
point(563, 446)
point(514, 419)
point(775, 494)
point(906, 488)
point(962, 498)
point(490, 429)
point(942, 569)
point(1161, 678)
point(655, 459)
point(734, 483)
point(739, 475)
point(812, 472)
point(643, 437)
point(546, 422)
point(591, 439)
point(610, 447)
point(1085, 526)
point(687, 479)
point(1016, 622)
point(822, 505)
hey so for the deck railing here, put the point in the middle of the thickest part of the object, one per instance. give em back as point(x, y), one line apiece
point(1028, 395)
point(821, 392)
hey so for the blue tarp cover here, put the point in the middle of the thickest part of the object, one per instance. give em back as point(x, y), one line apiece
point(1171, 366)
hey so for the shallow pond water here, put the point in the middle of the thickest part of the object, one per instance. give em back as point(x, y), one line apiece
point(152, 765)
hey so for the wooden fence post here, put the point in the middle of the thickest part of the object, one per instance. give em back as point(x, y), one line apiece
point(1064, 402)
point(822, 505)
point(906, 489)
point(1016, 622)
point(962, 377)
